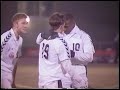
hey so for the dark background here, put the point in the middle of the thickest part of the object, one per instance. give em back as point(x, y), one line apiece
point(100, 19)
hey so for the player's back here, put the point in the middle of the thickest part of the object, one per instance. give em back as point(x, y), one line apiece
point(51, 53)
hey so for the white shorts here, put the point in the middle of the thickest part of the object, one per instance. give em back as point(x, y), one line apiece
point(6, 79)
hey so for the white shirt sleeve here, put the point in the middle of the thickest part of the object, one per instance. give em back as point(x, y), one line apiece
point(39, 39)
point(3, 37)
point(63, 52)
point(86, 55)
point(4, 45)
point(64, 58)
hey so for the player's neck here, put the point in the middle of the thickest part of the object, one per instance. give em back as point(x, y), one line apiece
point(16, 33)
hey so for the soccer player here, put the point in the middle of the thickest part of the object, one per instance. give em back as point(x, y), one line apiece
point(11, 43)
point(81, 43)
point(54, 55)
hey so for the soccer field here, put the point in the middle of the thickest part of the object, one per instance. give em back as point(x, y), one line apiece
point(100, 75)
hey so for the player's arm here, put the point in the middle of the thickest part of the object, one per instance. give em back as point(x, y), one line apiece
point(86, 55)
point(67, 67)
point(65, 60)
point(39, 39)
point(14, 75)
point(3, 43)
point(19, 54)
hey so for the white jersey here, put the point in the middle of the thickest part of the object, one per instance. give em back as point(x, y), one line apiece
point(51, 52)
point(80, 42)
point(10, 50)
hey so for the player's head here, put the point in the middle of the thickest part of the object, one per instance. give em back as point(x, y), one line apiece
point(56, 21)
point(20, 22)
point(69, 22)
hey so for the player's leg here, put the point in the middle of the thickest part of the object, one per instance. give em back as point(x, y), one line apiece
point(81, 82)
point(66, 81)
point(6, 79)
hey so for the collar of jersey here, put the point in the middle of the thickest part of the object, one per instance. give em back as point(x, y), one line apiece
point(75, 30)
point(12, 32)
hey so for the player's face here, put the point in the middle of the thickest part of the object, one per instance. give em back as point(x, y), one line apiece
point(22, 25)
point(68, 26)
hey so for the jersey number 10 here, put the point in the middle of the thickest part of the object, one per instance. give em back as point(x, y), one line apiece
point(45, 49)
point(76, 46)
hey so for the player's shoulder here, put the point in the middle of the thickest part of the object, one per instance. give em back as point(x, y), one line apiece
point(59, 39)
point(57, 42)
point(45, 42)
point(84, 34)
point(5, 37)
point(5, 34)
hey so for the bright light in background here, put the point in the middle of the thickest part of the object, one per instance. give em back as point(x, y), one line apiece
point(28, 19)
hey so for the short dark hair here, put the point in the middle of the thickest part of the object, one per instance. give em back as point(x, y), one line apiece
point(68, 16)
point(56, 19)
point(18, 16)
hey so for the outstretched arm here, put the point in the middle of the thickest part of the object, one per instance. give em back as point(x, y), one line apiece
point(39, 39)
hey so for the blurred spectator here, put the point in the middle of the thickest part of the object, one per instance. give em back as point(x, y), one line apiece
point(116, 45)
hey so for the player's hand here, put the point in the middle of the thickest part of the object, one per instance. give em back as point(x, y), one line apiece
point(72, 53)
point(44, 35)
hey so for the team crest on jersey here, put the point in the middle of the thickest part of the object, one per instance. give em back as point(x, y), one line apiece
point(11, 55)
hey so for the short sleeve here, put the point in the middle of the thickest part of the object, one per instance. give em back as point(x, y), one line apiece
point(63, 52)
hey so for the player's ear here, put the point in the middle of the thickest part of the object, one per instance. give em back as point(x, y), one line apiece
point(15, 22)
point(63, 27)
point(60, 28)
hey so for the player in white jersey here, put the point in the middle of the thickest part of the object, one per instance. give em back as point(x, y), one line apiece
point(11, 43)
point(80, 42)
point(54, 55)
